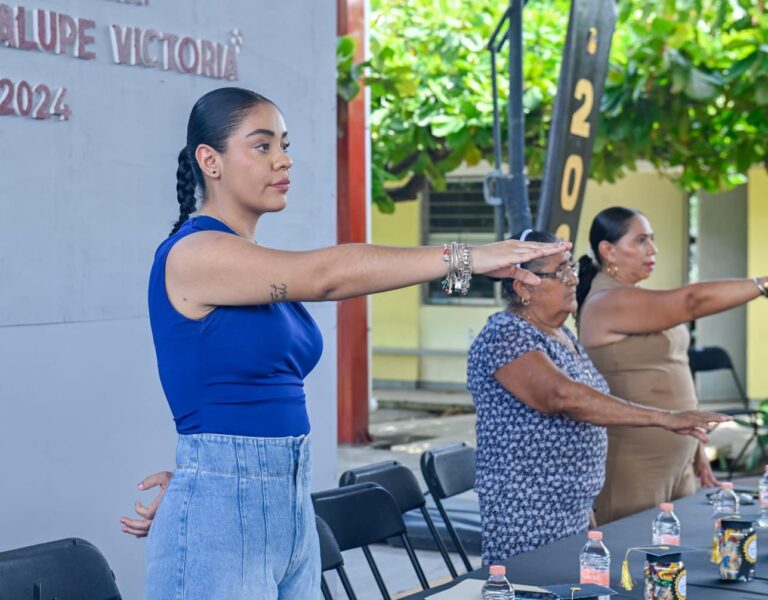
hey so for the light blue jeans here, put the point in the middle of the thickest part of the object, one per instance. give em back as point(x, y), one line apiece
point(235, 523)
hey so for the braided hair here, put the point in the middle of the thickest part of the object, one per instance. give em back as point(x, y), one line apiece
point(212, 121)
point(609, 225)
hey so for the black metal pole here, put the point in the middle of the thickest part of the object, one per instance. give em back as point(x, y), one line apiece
point(518, 210)
point(498, 211)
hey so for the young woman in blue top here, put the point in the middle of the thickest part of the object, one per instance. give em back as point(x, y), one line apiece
point(233, 347)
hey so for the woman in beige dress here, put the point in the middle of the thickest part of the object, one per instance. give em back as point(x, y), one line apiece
point(638, 340)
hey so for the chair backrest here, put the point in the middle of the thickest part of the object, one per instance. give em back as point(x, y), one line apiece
point(708, 358)
point(69, 569)
point(714, 358)
point(449, 470)
point(330, 555)
point(394, 477)
point(359, 514)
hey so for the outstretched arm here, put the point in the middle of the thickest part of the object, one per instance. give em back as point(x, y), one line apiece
point(630, 310)
point(534, 379)
point(209, 269)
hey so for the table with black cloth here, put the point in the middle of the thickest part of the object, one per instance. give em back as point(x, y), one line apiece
point(558, 562)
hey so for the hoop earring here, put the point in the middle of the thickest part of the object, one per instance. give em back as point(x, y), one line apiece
point(525, 301)
point(612, 270)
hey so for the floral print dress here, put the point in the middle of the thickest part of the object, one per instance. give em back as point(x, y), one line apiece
point(537, 475)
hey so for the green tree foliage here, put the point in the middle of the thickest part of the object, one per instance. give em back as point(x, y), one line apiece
point(687, 89)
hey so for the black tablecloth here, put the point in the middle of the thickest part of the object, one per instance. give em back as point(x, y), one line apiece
point(559, 562)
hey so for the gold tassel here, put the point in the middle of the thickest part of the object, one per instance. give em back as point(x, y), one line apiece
point(626, 578)
point(715, 555)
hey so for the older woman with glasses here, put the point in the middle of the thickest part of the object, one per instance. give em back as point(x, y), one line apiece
point(542, 409)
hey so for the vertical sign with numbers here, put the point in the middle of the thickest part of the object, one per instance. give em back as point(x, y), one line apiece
point(577, 110)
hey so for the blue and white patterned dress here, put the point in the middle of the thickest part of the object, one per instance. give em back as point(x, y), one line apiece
point(537, 475)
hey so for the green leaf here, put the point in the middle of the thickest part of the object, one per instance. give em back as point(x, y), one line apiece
point(761, 94)
point(444, 125)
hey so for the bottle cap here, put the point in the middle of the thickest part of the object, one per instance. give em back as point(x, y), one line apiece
point(727, 485)
point(667, 506)
point(497, 570)
point(595, 536)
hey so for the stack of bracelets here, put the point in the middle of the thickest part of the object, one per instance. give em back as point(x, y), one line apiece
point(458, 260)
point(761, 286)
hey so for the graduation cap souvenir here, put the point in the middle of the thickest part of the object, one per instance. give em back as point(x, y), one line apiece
point(736, 548)
point(665, 575)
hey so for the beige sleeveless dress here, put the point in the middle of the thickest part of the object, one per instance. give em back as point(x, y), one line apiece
point(645, 465)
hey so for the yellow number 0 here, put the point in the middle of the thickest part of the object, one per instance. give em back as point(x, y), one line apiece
point(573, 172)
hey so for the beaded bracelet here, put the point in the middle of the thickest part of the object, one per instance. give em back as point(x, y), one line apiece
point(458, 259)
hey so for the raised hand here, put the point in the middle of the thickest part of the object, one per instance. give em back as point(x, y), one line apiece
point(500, 259)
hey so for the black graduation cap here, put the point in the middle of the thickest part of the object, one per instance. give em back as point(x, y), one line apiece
point(580, 591)
point(736, 522)
point(663, 553)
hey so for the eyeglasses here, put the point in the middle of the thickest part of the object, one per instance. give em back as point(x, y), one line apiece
point(564, 273)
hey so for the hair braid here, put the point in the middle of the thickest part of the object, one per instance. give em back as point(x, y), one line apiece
point(185, 189)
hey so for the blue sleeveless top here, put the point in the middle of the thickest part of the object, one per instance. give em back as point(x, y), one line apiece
point(238, 371)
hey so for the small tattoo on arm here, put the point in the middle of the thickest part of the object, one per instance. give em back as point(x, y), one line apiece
point(279, 292)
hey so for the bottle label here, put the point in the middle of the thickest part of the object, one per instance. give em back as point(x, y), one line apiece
point(666, 540)
point(596, 576)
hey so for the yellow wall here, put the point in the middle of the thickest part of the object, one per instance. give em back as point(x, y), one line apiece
point(757, 265)
point(395, 315)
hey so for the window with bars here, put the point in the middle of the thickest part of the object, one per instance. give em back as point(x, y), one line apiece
point(459, 213)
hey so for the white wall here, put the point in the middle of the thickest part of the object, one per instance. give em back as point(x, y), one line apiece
point(84, 203)
point(722, 253)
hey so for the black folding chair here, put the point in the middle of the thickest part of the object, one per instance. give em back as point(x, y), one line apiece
point(399, 481)
point(331, 559)
point(69, 569)
point(448, 471)
point(363, 514)
point(715, 358)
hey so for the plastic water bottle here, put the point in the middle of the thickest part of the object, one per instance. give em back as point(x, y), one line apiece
point(666, 526)
point(726, 500)
point(497, 587)
point(595, 561)
point(763, 522)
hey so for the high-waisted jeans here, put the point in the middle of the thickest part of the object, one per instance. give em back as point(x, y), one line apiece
point(235, 523)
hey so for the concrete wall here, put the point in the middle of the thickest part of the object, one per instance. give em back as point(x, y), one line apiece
point(722, 253)
point(84, 204)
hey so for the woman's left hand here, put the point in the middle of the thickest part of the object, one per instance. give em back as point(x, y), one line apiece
point(140, 527)
point(703, 470)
